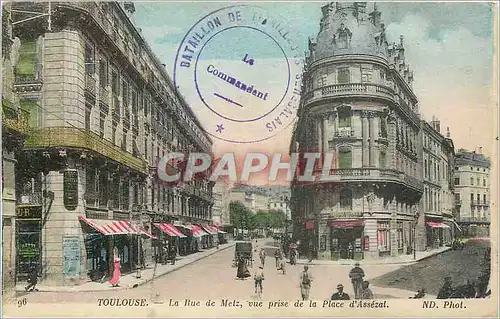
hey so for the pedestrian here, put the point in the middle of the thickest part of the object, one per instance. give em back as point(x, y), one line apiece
point(366, 293)
point(258, 278)
point(262, 255)
point(240, 272)
point(356, 274)
point(277, 256)
point(32, 279)
point(305, 283)
point(173, 254)
point(446, 290)
point(340, 294)
point(115, 279)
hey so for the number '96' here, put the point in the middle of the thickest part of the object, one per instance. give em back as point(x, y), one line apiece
point(22, 302)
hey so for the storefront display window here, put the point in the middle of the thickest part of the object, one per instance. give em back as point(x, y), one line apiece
point(383, 237)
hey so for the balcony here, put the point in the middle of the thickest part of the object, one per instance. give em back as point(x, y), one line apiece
point(345, 132)
point(79, 138)
point(349, 90)
point(369, 174)
point(479, 203)
point(90, 85)
point(474, 219)
point(14, 119)
point(29, 199)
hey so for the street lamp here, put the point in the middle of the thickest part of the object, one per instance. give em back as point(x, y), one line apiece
point(415, 222)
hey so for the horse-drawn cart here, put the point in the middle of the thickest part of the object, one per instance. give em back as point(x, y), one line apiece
point(243, 250)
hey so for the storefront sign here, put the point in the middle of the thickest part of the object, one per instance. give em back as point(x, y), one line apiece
point(70, 187)
point(29, 212)
point(346, 224)
point(71, 255)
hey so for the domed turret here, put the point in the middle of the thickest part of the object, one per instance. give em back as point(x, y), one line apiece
point(347, 28)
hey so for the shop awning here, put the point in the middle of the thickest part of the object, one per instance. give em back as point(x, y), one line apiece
point(145, 233)
point(437, 225)
point(169, 229)
point(212, 230)
point(195, 230)
point(222, 232)
point(346, 224)
point(110, 227)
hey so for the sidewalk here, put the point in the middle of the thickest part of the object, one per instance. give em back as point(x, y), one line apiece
point(403, 259)
point(129, 280)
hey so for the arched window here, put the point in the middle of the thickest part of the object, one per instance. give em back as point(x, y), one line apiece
point(345, 158)
point(346, 199)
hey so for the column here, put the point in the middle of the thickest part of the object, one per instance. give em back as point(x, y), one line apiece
point(365, 134)
point(320, 133)
point(326, 138)
point(391, 135)
point(371, 140)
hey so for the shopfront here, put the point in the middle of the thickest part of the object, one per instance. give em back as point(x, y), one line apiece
point(105, 239)
point(437, 234)
point(346, 239)
point(28, 240)
point(213, 234)
point(168, 236)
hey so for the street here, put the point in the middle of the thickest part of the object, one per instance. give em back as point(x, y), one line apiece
point(215, 278)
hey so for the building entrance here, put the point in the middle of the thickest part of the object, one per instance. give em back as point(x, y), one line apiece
point(346, 240)
point(28, 243)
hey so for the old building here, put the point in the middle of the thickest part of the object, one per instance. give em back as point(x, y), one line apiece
point(472, 192)
point(437, 201)
point(105, 111)
point(220, 209)
point(15, 127)
point(358, 103)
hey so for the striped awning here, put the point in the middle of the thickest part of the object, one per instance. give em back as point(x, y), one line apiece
point(212, 230)
point(437, 225)
point(196, 230)
point(111, 227)
point(169, 229)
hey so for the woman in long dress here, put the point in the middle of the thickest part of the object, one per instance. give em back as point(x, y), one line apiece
point(115, 279)
point(240, 273)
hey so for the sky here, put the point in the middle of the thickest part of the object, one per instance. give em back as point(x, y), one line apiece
point(449, 46)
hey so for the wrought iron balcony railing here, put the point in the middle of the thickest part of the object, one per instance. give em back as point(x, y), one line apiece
point(29, 198)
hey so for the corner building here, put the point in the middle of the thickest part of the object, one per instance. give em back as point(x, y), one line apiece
point(103, 112)
point(358, 104)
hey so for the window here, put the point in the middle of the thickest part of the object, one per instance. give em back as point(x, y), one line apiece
point(88, 113)
point(344, 117)
point(115, 83)
point(484, 199)
point(322, 80)
point(400, 235)
point(478, 196)
point(346, 199)
point(366, 75)
point(343, 76)
point(472, 198)
point(472, 180)
point(89, 59)
point(457, 198)
point(484, 182)
point(425, 170)
point(103, 73)
point(345, 158)
point(102, 120)
point(383, 238)
point(382, 160)
point(478, 182)
point(457, 180)
point(113, 133)
point(124, 140)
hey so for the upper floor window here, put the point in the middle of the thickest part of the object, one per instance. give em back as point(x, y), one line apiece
point(344, 117)
point(477, 182)
point(484, 182)
point(322, 80)
point(472, 180)
point(484, 198)
point(346, 199)
point(457, 181)
point(382, 160)
point(103, 73)
point(345, 158)
point(89, 59)
point(343, 76)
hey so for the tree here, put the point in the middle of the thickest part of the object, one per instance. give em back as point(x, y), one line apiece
point(277, 219)
point(240, 215)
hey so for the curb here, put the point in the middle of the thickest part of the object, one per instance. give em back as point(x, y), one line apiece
point(351, 263)
point(72, 289)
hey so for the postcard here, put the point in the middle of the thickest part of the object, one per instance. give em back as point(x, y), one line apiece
point(241, 159)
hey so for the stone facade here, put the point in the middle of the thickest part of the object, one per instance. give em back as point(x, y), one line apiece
point(104, 111)
point(472, 192)
point(358, 109)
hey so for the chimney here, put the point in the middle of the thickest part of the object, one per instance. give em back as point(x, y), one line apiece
point(401, 40)
point(480, 150)
point(447, 132)
point(438, 126)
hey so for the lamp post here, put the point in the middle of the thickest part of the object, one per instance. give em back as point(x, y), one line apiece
point(415, 222)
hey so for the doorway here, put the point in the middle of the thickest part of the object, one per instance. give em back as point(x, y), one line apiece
point(346, 243)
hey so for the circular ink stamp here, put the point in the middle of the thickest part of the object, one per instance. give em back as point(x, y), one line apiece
point(241, 71)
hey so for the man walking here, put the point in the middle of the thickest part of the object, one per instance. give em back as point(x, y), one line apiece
point(356, 274)
point(262, 255)
point(305, 283)
point(278, 256)
point(258, 278)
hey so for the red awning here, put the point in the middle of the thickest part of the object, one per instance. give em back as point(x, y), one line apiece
point(110, 227)
point(169, 229)
point(210, 229)
point(437, 225)
point(309, 225)
point(195, 230)
point(346, 224)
